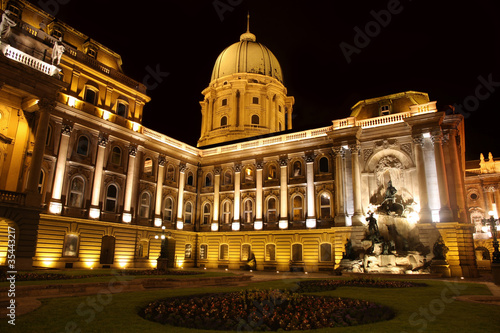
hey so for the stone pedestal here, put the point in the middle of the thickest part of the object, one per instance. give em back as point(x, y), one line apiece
point(495, 270)
point(162, 264)
point(387, 260)
point(440, 267)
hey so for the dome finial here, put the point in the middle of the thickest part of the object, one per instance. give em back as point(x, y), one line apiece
point(248, 36)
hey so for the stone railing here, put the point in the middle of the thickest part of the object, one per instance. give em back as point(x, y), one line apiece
point(12, 197)
point(25, 59)
point(385, 120)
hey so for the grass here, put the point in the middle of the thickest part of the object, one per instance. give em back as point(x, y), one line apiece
point(418, 309)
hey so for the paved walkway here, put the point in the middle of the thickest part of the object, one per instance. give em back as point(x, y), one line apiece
point(30, 295)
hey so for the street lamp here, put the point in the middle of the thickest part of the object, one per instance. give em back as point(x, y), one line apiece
point(163, 258)
point(493, 228)
point(163, 234)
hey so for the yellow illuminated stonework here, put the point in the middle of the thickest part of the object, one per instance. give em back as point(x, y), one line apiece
point(85, 185)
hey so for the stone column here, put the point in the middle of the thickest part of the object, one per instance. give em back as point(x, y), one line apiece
point(283, 222)
point(45, 108)
point(55, 206)
point(445, 214)
point(488, 202)
point(458, 177)
point(311, 207)
point(425, 212)
point(497, 199)
point(95, 210)
point(258, 224)
point(129, 185)
point(237, 197)
point(357, 218)
point(159, 191)
point(180, 196)
point(215, 220)
point(339, 186)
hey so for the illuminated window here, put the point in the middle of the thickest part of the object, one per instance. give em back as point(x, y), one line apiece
point(203, 251)
point(245, 252)
point(188, 213)
point(255, 119)
point(226, 212)
point(111, 198)
point(272, 215)
point(76, 192)
point(297, 169)
point(187, 251)
point(224, 252)
point(70, 247)
point(272, 172)
point(144, 205)
point(82, 147)
point(325, 206)
point(116, 156)
point(148, 166)
point(248, 175)
point(323, 164)
point(325, 251)
point(248, 211)
point(90, 95)
point(270, 252)
point(255, 100)
point(168, 209)
point(297, 252)
point(223, 121)
point(297, 208)
point(207, 213)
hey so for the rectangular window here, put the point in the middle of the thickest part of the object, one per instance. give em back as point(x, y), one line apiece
point(203, 251)
point(224, 102)
point(270, 252)
point(224, 252)
point(187, 251)
point(296, 252)
point(143, 249)
point(90, 96)
point(70, 248)
point(325, 252)
point(255, 100)
point(245, 252)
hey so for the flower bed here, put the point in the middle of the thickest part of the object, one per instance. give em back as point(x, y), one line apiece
point(60, 276)
point(264, 310)
point(325, 285)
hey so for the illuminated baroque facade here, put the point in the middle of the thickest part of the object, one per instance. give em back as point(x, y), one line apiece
point(86, 185)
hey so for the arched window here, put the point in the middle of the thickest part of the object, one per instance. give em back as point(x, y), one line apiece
point(228, 177)
point(170, 172)
point(297, 208)
point(187, 251)
point(203, 251)
point(190, 179)
point(255, 119)
point(90, 95)
point(226, 212)
point(116, 156)
point(297, 169)
point(168, 209)
point(207, 213)
point(82, 147)
point(272, 173)
point(223, 121)
point(272, 215)
point(76, 191)
point(188, 213)
point(122, 108)
point(208, 179)
point(111, 198)
point(248, 211)
point(325, 206)
point(248, 175)
point(148, 166)
point(323, 164)
point(144, 205)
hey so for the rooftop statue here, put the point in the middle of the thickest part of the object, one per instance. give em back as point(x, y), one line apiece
point(57, 52)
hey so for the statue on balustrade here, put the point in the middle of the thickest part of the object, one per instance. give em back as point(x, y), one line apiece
point(6, 24)
point(57, 52)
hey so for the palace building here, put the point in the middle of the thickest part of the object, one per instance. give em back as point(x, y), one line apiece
point(84, 184)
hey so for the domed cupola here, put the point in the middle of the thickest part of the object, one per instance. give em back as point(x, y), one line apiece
point(246, 96)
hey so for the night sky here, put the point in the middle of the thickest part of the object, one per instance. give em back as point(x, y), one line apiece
point(449, 49)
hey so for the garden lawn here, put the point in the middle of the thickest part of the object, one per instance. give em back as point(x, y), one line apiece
point(418, 308)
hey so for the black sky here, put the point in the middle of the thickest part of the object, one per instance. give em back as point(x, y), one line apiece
point(445, 48)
